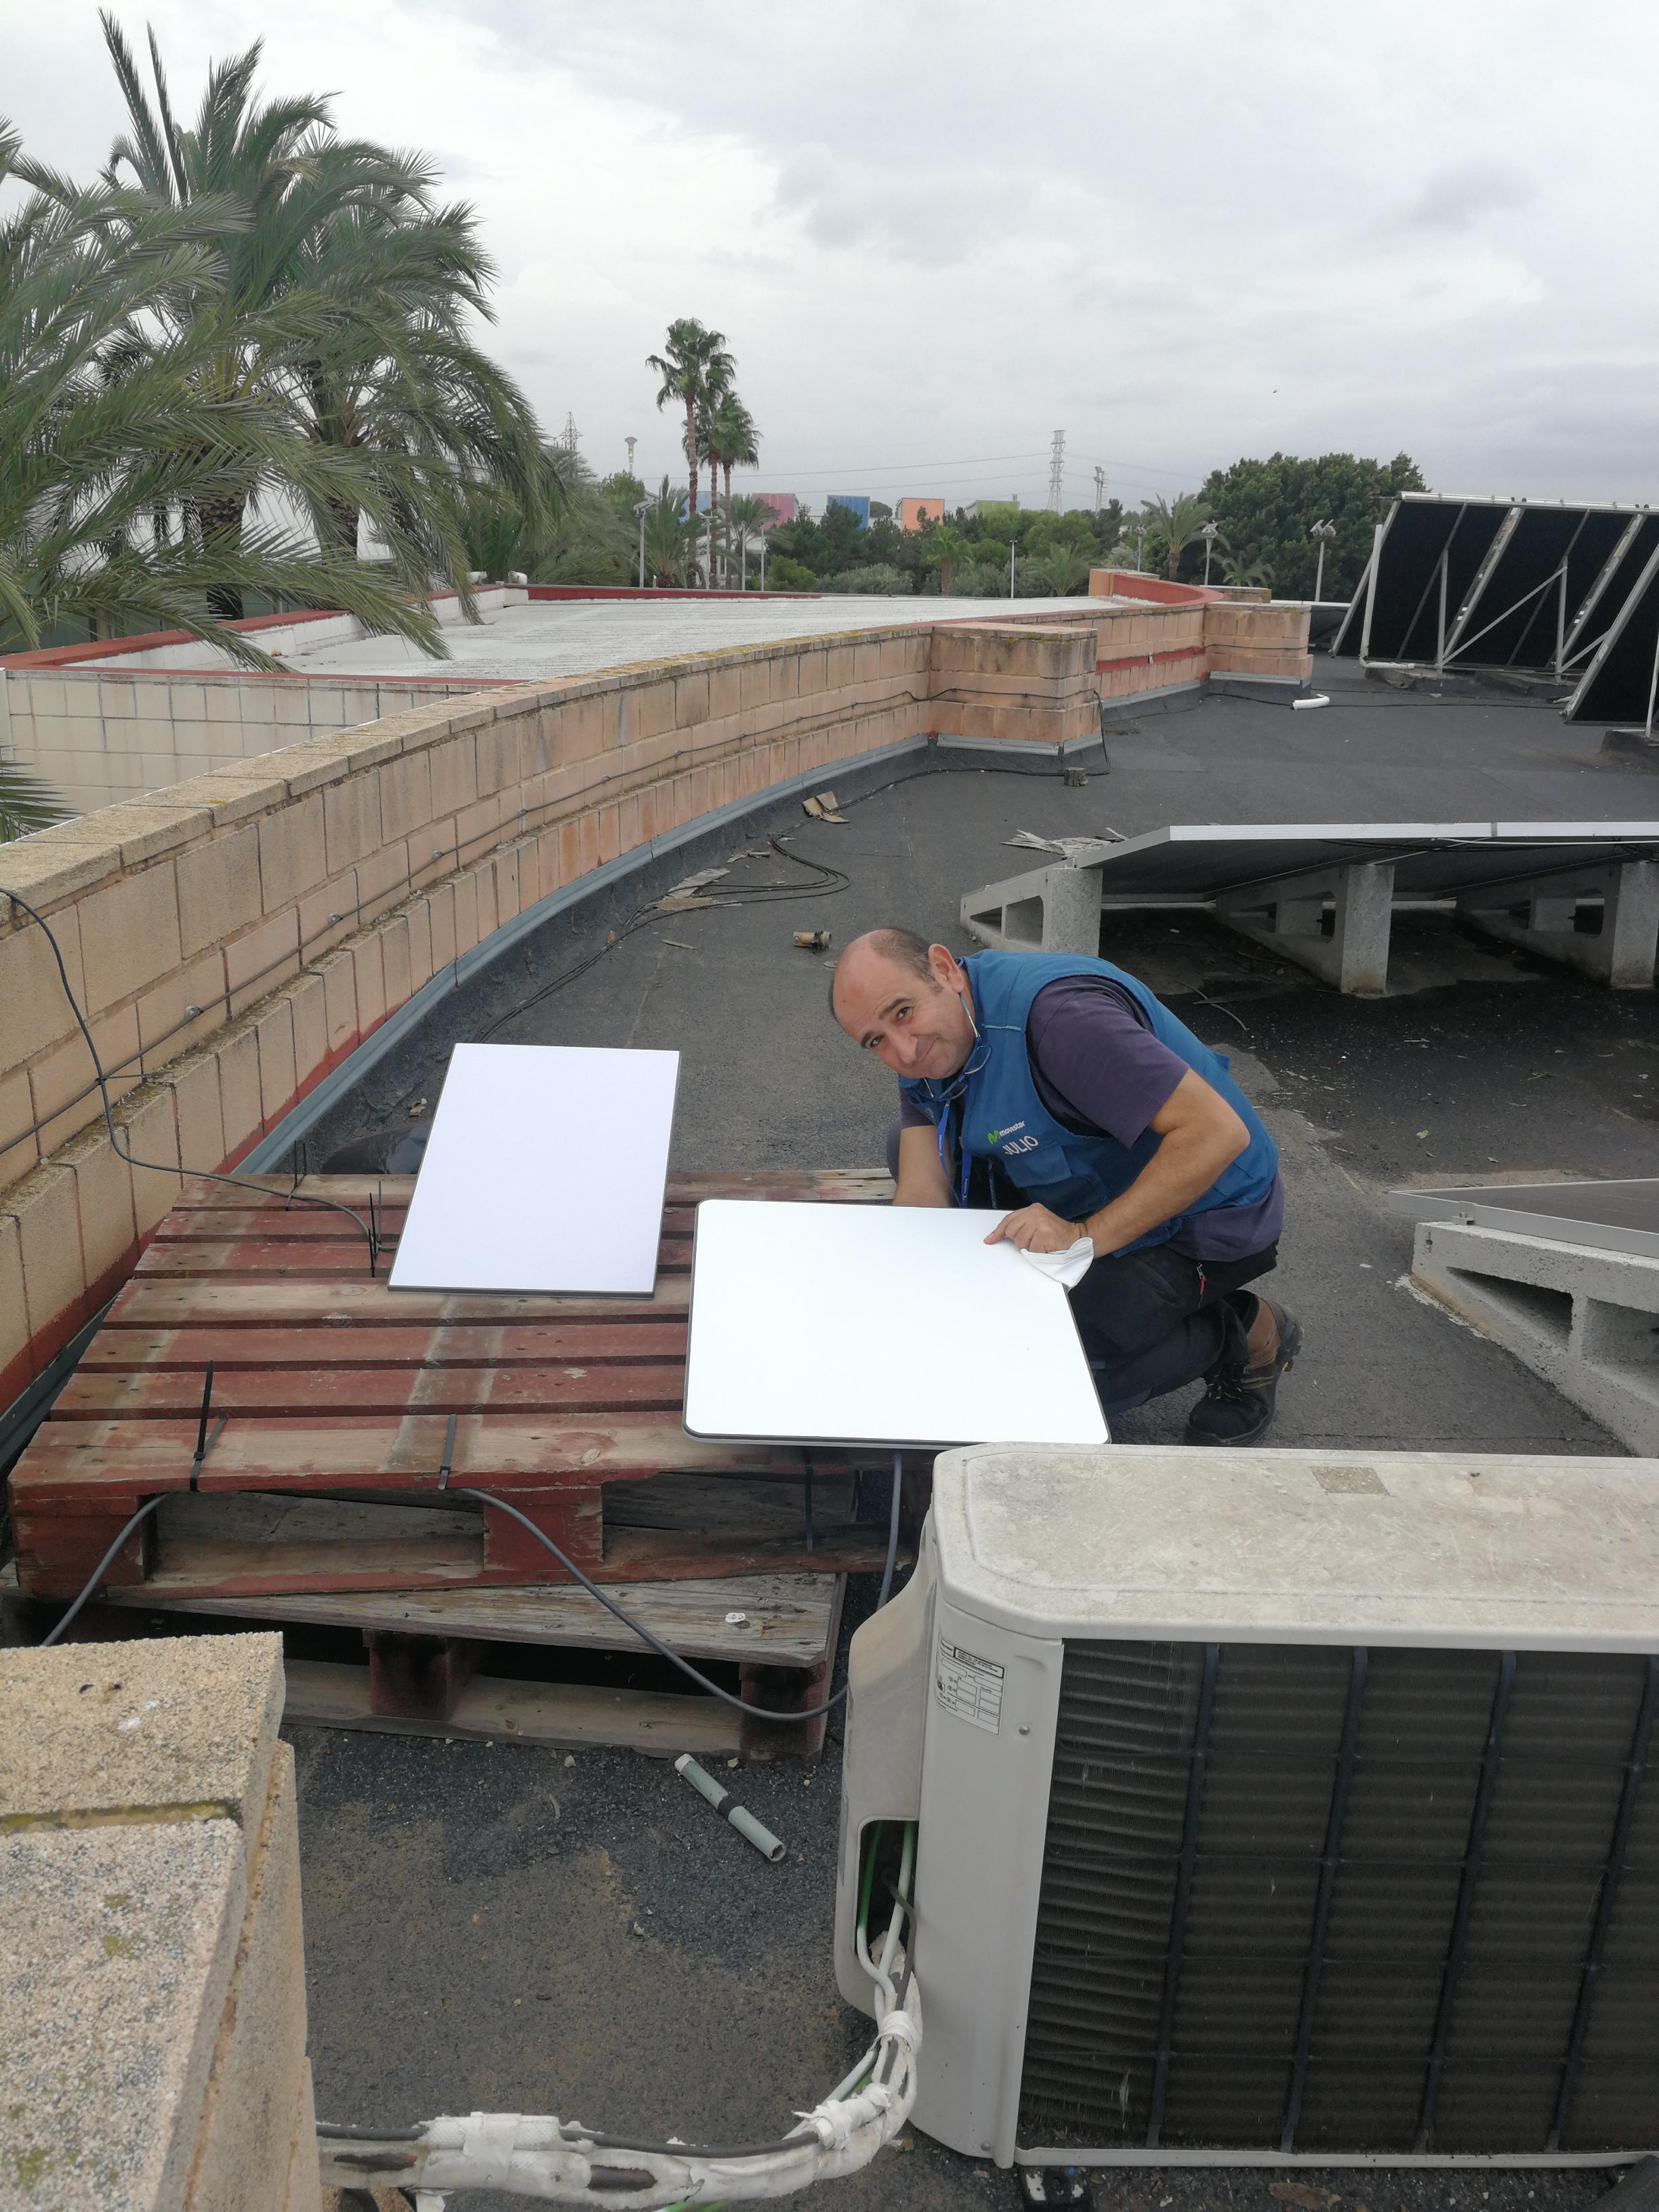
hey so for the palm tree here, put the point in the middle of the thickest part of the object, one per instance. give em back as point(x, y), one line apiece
point(947, 549)
point(668, 536)
point(733, 443)
point(1245, 568)
point(25, 803)
point(1177, 522)
point(751, 518)
point(1064, 569)
point(695, 370)
point(337, 287)
point(116, 454)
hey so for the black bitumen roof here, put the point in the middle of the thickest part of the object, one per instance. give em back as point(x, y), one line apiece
point(471, 1913)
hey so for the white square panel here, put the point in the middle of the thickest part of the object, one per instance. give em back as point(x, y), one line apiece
point(878, 1325)
point(545, 1172)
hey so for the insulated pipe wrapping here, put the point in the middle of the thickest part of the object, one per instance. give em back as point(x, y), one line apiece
point(527, 2155)
point(729, 1809)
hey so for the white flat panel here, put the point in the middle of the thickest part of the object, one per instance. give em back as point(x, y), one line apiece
point(878, 1325)
point(545, 1172)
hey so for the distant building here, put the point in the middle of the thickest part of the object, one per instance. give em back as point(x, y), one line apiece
point(784, 504)
point(858, 501)
point(993, 510)
point(913, 512)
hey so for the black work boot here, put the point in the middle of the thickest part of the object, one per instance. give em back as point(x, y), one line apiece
point(1237, 1408)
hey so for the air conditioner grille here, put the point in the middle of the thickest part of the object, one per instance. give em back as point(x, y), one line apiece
point(1303, 1897)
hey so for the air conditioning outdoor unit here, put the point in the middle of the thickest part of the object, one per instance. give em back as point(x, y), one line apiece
point(1273, 1807)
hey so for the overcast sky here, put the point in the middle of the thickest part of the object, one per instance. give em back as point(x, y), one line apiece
point(934, 234)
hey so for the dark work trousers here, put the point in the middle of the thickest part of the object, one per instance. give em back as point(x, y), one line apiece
point(1150, 1320)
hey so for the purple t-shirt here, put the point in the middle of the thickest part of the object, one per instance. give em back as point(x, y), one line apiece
point(1100, 1071)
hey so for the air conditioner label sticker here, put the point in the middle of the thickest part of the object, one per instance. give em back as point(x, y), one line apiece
point(969, 1686)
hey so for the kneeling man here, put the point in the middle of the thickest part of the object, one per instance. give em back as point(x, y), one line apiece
point(1058, 1085)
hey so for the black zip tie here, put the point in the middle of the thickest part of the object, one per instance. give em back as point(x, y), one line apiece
point(202, 1438)
point(449, 1453)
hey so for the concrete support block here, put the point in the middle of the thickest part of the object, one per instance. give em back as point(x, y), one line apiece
point(152, 1975)
point(1054, 909)
point(1334, 921)
point(1585, 1320)
point(1548, 914)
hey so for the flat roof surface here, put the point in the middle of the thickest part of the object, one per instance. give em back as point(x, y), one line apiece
point(576, 637)
point(591, 1941)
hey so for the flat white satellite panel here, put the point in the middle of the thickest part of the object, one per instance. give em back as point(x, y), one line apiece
point(878, 1325)
point(545, 1172)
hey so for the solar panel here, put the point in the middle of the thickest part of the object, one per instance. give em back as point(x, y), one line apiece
point(545, 1172)
point(1612, 1216)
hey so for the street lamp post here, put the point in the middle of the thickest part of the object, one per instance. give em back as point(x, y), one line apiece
point(1322, 533)
point(640, 507)
point(763, 539)
point(1012, 542)
point(1209, 533)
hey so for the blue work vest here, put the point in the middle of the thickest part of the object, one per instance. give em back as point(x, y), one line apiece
point(992, 1108)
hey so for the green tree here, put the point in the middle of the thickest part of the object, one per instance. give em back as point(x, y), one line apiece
point(1244, 567)
point(734, 443)
point(336, 288)
point(25, 803)
point(696, 370)
point(669, 535)
point(122, 466)
point(948, 548)
point(751, 518)
point(1272, 506)
point(1066, 568)
point(1173, 525)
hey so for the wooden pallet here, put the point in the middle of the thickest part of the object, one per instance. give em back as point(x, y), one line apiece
point(444, 1661)
point(336, 1390)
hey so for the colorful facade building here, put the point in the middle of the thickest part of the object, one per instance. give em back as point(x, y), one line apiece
point(913, 512)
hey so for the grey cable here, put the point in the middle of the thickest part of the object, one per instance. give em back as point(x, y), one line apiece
point(98, 1572)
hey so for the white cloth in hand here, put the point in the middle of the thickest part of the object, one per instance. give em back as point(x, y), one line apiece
point(1067, 1267)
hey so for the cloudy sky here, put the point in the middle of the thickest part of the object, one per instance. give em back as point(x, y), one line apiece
point(935, 233)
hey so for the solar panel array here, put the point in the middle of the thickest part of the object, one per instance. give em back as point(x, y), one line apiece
point(1555, 589)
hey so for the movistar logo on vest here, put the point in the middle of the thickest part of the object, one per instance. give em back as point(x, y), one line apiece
point(997, 1135)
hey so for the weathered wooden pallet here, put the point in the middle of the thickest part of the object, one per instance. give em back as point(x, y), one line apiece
point(441, 1662)
point(330, 1384)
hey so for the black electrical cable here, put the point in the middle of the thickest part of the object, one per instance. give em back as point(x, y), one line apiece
point(98, 1572)
point(647, 1636)
point(165, 1167)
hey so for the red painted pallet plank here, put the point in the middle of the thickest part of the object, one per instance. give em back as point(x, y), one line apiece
point(855, 1185)
point(316, 1260)
point(299, 1392)
point(182, 1302)
point(621, 1342)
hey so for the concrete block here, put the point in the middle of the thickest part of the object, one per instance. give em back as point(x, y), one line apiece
point(307, 998)
point(17, 1364)
point(103, 1198)
point(237, 1051)
point(194, 1083)
point(62, 1081)
point(368, 980)
point(338, 979)
point(273, 1031)
point(292, 854)
point(165, 1025)
point(254, 2089)
point(129, 935)
point(261, 959)
point(19, 1147)
point(394, 957)
point(405, 794)
point(179, 1727)
point(112, 2000)
point(219, 890)
point(37, 1009)
point(149, 1129)
point(352, 820)
point(48, 1219)
point(1585, 1320)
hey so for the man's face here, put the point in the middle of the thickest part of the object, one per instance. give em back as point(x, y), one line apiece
point(917, 1026)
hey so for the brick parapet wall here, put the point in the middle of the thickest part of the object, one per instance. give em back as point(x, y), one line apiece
point(234, 938)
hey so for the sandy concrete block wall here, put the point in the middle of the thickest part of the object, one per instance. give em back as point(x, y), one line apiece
point(153, 1974)
point(1266, 638)
point(1017, 684)
point(98, 738)
point(233, 938)
point(1141, 645)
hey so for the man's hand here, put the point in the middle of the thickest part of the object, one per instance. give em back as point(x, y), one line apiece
point(1034, 1229)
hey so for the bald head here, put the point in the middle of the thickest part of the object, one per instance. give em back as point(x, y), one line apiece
point(906, 1001)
